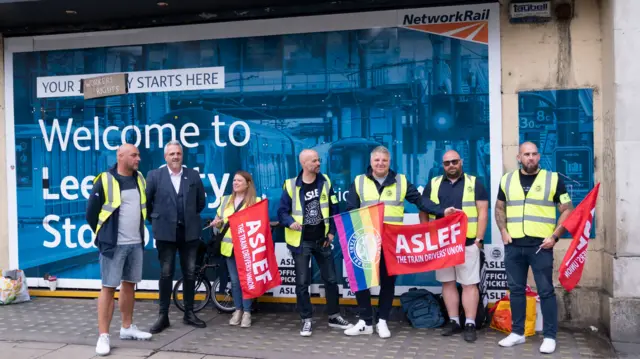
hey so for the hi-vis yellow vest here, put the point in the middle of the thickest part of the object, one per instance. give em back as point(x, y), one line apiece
point(224, 211)
point(392, 197)
point(468, 202)
point(534, 215)
point(111, 189)
point(293, 237)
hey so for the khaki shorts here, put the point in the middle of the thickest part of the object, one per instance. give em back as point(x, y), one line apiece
point(467, 273)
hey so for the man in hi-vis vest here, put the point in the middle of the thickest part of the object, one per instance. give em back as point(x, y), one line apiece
point(306, 204)
point(462, 191)
point(526, 215)
point(116, 211)
point(380, 184)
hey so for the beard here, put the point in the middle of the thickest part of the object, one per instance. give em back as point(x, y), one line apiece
point(453, 174)
point(530, 169)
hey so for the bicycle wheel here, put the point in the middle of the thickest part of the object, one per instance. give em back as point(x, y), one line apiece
point(202, 294)
point(222, 298)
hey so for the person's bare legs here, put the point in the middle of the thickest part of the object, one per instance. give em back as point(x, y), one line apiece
point(451, 299)
point(470, 298)
point(105, 309)
point(126, 301)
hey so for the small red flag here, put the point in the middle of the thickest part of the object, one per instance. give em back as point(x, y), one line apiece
point(579, 225)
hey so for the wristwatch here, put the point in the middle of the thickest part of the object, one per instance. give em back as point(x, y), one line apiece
point(479, 240)
point(555, 237)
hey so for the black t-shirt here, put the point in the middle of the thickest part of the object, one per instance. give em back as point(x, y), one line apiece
point(527, 181)
point(450, 195)
point(314, 226)
point(127, 182)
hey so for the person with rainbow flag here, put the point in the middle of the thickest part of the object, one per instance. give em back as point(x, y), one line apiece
point(380, 184)
point(307, 202)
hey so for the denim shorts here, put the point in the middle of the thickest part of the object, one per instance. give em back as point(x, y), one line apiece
point(126, 265)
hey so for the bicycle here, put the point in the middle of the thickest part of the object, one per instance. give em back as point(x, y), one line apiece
point(206, 261)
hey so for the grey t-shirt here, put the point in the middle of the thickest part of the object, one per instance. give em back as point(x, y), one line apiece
point(380, 179)
point(129, 215)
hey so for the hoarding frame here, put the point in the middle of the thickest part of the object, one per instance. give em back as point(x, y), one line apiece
point(237, 29)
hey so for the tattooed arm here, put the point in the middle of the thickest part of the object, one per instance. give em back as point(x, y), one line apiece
point(565, 210)
point(501, 215)
point(501, 221)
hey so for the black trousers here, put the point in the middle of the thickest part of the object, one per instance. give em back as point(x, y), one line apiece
point(387, 289)
point(187, 252)
point(324, 258)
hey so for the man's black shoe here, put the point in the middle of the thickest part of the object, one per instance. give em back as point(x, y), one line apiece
point(161, 324)
point(451, 328)
point(470, 333)
point(191, 319)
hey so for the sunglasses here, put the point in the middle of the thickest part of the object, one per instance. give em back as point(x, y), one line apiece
point(451, 162)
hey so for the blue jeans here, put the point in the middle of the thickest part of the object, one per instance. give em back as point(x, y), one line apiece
point(236, 290)
point(517, 261)
point(324, 258)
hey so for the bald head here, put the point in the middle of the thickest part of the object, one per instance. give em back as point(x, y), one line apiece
point(452, 164)
point(307, 154)
point(128, 159)
point(451, 155)
point(124, 149)
point(528, 147)
point(310, 162)
point(529, 157)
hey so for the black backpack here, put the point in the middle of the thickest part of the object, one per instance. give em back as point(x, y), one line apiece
point(422, 308)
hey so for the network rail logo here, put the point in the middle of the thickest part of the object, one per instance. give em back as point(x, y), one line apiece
point(467, 25)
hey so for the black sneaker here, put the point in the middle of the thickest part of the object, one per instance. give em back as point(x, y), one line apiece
point(339, 322)
point(470, 333)
point(451, 328)
point(305, 331)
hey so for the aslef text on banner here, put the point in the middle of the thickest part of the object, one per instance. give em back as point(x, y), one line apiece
point(254, 250)
point(425, 247)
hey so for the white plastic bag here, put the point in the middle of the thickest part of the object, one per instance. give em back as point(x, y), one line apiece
point(13, 290)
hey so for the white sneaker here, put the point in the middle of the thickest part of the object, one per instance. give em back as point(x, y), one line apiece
point(246, 320)
point(103, 347)
point(307, 328)
point(236, 318)
point(360, 328)
point(133, 333)
point(383, 329)
point(548, 346)
point(511, 340)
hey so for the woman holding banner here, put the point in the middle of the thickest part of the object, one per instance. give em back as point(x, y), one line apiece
point(243, 196)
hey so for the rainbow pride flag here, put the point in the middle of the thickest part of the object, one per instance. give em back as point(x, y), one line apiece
point(360, 235)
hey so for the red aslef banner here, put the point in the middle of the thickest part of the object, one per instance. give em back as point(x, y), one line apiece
point(424, 247)
point(579, 225)
point(254, 250)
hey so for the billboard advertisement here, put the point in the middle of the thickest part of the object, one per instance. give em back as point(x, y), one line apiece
point(246, 96)
point(560, 122)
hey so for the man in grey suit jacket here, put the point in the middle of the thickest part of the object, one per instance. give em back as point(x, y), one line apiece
point(175, 198)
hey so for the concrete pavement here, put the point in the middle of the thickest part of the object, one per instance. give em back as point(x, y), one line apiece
point(66, 328)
